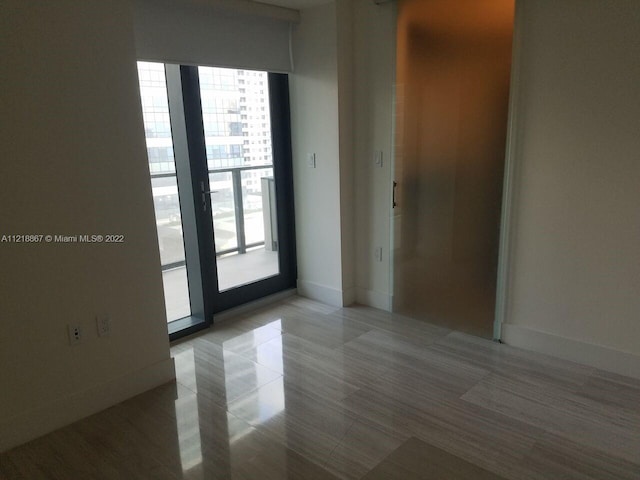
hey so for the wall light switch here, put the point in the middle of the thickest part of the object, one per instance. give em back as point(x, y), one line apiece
point(377, 158)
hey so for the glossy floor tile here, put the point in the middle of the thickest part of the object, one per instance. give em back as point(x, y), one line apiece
point(302, 390)
point(417, 460)
point(610, 429)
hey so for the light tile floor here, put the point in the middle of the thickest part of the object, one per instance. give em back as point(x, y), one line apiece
point(301, 390)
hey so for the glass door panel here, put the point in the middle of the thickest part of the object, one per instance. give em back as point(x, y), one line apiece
point(223, 212)
point(167, 208)
point(219, 149)
point(256, 195)
point(237, 130)
point(166, 201)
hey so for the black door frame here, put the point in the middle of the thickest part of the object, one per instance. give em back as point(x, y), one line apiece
point(213, 301)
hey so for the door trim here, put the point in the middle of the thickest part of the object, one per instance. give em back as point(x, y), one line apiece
point(509, 189)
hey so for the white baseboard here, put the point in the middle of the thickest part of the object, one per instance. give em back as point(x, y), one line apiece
point(604, 358)
point(321, 293)
point(374, 299)
point(348, 296)
point(56, 414)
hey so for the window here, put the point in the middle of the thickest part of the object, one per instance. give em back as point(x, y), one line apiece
point(230, 216)
point(164, 186)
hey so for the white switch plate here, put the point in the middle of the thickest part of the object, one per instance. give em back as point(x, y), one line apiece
point(103, 325)
point(378, 254)
point(311, 160)
point(377, 158)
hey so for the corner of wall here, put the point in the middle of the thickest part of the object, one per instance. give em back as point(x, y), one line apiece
point(371, 298)
point(62, 411)
point(322, 293)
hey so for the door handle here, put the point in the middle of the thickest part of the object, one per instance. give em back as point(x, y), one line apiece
point(204, 195)
point(393, 196)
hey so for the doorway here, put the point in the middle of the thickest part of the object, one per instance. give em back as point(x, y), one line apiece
point(218, 143)
point(453, 72)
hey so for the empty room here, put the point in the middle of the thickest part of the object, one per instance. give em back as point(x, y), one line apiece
point(320, 239)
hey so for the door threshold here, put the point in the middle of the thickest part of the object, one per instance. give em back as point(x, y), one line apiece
point(185, 326)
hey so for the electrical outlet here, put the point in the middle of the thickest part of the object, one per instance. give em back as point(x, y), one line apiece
point(103, 325)
point(75, 334)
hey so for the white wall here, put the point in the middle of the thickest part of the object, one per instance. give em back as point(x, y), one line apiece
point(315, 129)
point(345, 49)
point(342, 109)
point(74, 162)
point(374, 63)
point(574, 277)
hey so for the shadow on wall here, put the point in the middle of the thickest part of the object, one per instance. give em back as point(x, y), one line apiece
point(454, 63)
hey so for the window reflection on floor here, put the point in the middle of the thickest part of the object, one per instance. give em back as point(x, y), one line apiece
point(268, 399)
point(254, 385)
point(187, 418)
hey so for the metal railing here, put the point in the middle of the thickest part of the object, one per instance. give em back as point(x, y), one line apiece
point(238, 207)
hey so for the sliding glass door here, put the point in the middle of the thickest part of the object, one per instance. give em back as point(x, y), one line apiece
point(230, 142)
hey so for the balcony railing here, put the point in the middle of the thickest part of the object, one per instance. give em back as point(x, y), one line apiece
point(237, 212)
point(245, 194)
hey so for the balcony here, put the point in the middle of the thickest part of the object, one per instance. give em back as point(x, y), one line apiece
point(233, 269)
point(242, 203)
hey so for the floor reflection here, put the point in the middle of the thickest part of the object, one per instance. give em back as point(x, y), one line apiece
point(263, 404)
point(266, 350)
point(214, 375)
point(188, 421)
